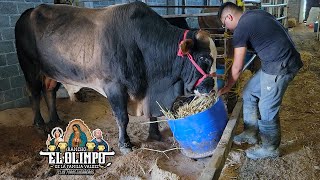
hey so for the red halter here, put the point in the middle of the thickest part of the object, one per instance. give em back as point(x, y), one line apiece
point(204, 75)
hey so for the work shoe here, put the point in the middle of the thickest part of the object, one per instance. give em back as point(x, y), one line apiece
point(270, 140)
point(262, 152)
point(249, 137)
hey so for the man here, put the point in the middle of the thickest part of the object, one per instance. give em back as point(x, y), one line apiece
point(309, 5)
point(98, 140)
point(262, 95)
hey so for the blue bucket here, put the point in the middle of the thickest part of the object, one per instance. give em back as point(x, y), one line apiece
point(220, 71)
point(200, 133)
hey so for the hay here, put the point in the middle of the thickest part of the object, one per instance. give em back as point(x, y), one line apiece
point(183, 108)
point(306, 58)
point(300, 100)
point(292, 22)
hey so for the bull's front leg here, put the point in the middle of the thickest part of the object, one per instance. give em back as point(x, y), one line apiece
point(118, 99)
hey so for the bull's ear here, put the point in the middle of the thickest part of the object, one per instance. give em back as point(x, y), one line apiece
point(186, 45)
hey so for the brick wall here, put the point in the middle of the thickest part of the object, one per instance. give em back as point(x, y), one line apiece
point(12, 83)
point(99, 3)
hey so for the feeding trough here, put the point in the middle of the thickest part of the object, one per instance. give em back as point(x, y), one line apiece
point(199, 134)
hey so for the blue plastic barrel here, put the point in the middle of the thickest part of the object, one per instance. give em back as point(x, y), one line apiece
point(200, 133)
point(220, 71)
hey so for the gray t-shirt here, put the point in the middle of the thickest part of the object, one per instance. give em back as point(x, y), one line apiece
point(260, 31)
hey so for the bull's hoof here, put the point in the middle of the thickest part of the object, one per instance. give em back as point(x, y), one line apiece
point(154, 137)
point(125, 148)
point(41, 130)
point(40, 126)
point(39, 122)
point(50, 173)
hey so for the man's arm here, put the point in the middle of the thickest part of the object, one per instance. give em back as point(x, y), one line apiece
point(239, 55)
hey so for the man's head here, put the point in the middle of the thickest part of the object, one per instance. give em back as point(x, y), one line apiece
point(57, 133)
point(75, 128)
point(97, 133)
point(229, 14)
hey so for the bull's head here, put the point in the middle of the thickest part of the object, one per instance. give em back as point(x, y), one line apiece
point(203, 50)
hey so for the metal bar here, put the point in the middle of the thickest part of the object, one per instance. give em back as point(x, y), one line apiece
point(249, 62)
point(273, 5)
point(162, 6)
point(277, 9)
point(190, 15)
point(318, 27)
point(218, 35)
point(183, 8)
point(212, 28)
point(285, 13)
point(283, 17)
point(167, 7)
point(205, 2)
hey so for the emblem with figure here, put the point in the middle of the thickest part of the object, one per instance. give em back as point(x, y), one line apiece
point(100, 143)
point(77, 150)
point(77, 134)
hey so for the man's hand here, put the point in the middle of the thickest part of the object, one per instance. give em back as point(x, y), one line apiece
point(237, 65)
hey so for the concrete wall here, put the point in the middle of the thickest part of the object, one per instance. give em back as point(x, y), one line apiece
point(12, 83)
point(294, 9)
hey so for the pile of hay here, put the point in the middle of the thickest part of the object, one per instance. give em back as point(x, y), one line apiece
point(306, 58)
point(186, 106)
point(292, 22)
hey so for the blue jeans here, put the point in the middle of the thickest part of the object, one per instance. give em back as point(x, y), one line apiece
point(262, 97)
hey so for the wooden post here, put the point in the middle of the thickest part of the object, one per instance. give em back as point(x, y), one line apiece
point(216, 163)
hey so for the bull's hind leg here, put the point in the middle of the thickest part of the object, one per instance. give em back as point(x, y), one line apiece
point(34, 84)
point(34, 87)
point(49, 89)
point(154, 133)
point(118, 99)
